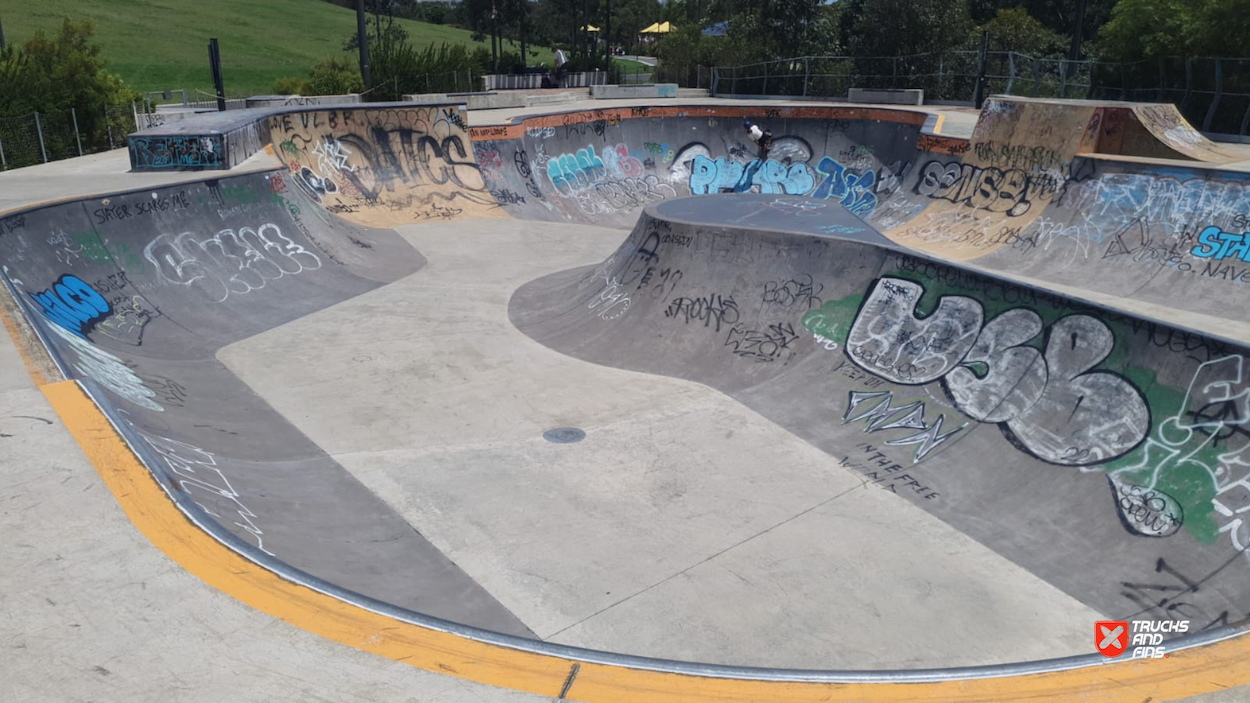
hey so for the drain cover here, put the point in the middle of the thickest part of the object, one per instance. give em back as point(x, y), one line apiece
point(564, 435)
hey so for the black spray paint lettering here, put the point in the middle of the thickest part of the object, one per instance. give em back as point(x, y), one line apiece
point(711, 310)
point(877, 411)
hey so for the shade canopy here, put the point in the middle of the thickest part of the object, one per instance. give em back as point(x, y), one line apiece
point(589, 28)
point(657, 28)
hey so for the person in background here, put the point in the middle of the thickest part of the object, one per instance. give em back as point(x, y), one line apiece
point(561, 60)
point(763, 138)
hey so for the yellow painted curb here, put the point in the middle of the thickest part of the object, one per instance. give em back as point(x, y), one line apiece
point(1185, 673)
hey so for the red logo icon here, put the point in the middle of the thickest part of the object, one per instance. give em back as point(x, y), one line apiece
point(1111, 637)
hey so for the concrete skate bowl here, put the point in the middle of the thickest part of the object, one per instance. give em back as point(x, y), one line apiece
point(1122, 200)
point(133, 294)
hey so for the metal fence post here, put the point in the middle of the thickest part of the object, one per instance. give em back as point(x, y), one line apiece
point(39, 130)
point(1011, 71)
point(1063, 79)
point(77, 136)
point(5, 164)
point(983, 56)
point(1163, 81)
point(765, 88)
point(807, 75)
point(1037, 76)
point(1189, 83)
point(1215, 101)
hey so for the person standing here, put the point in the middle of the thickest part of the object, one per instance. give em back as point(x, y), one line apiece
point(561, 62)
point(763, 138)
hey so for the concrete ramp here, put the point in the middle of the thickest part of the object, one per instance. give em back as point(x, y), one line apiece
point(1036, 195)
point(384, 167)
point(1158, 131)
point(1073, 440)
point(135, 293)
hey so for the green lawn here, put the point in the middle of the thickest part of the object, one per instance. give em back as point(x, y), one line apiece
point(629, 66)
point(160, 44)
point(639, 71)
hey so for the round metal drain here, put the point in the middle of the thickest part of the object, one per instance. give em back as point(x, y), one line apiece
point(564, 435)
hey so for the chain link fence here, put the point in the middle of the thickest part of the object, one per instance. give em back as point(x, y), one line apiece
point(687, 76)
point(40, 137)
point(1212, 93)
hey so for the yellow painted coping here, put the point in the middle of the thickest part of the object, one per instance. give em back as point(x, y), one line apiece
point(1184, 673)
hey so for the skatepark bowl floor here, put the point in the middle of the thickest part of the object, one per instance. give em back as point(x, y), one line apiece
point(599, 405)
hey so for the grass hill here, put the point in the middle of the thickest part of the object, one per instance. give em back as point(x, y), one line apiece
point(163, 44)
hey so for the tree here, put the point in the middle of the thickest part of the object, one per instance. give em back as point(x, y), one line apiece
point(784, 28)
point(63, 72)
point(1222, 29)
point(906, 27)
point(1152, 29)
point(1015, 29)
point(1057, 16)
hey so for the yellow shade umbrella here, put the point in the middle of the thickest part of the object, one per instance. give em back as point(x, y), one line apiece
point(651, 29)
point(589, 28)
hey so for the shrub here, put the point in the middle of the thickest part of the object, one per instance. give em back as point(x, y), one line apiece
point(291, 86)
point(334, 76)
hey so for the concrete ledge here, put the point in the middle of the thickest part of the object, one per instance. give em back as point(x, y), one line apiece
point(472, 101)
point(543, 80)
point(886, 96)
point(653, 90)
point(496, 101)
point(287, 100)
point(223, 140)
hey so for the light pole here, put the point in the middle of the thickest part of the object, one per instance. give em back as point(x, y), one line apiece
point(362, 38)
point(1075, 54)
point(494, 37)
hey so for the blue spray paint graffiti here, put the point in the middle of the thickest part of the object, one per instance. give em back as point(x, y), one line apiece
point(713, 176)
point(1213, 243)
point(576, 170)
point(72, 304)
point(177, 152)
point(853, 190)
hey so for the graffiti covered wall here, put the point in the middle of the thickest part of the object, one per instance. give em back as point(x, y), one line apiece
point(605, 166)
point(1059, 434)
point(385, 166)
